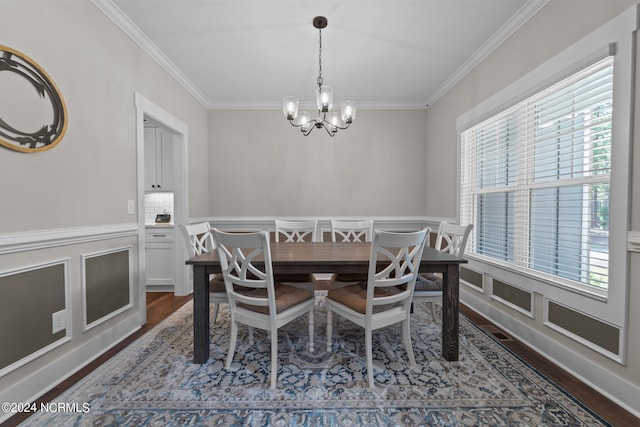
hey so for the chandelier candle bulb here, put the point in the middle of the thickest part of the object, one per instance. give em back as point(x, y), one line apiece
point(305, 122)
point(348, 111)
point(333, 118)
point(290, 107)
point(329, 121)
point(324, 97)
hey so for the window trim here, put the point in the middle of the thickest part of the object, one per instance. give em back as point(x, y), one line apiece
point(617, 35)
point(479, 142)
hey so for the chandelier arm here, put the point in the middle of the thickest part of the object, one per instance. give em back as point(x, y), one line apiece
point(309, 131)
point(335, 126)
point(331, 134)
point(293, 124)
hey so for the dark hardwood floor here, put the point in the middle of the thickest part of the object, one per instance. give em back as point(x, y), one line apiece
point(162, 304)
point(608, 410)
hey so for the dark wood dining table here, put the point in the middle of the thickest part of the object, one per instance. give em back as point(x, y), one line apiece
point(327, 257)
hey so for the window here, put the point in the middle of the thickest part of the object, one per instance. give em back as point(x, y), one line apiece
point(535, 181)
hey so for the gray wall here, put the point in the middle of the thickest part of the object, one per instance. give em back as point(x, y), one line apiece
point(69, 202)
point(558, 25)
point(262, 166)
point(89, 176)
point(87, 179)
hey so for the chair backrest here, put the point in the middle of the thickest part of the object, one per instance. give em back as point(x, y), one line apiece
point(296, 231)
point(198, 238)
point(351, 231)
point(453, 238)
point(394, 264)
point(245, 261)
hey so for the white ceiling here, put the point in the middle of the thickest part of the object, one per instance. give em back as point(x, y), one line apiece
point(378, 53)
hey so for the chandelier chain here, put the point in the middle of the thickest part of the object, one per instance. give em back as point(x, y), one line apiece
point(320, 59)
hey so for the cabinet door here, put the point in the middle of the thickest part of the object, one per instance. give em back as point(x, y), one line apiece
point(160, 256)
point(150, 162)
point(158, 160)
point(166, 181)
point(160, 261)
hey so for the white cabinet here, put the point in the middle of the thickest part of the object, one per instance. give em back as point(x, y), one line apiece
point(160, 258)
point(158, 160)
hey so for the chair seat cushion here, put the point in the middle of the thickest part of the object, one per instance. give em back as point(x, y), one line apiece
point(355, 296)
point(216, 284)
point(428, 282)
point(286, 297)
point(350, 277)
point(281, 278)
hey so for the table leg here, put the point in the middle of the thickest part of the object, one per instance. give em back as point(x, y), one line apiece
point(450, 322)
point(200, 315)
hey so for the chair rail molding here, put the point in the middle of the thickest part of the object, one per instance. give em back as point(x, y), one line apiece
point(324, 222)
point(40, 239)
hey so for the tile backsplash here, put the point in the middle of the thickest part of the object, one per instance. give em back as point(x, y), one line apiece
point(157, 203)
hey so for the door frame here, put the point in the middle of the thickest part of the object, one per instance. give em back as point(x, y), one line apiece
point(145, 107)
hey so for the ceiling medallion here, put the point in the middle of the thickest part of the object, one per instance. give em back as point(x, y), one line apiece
point(331, 121)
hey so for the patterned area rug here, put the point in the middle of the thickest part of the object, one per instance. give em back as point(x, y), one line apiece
point(154, 382)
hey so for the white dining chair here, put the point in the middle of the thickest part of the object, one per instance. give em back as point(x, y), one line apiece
point(451, 238)
point(351, 231)
point(199, 240)
point(295, 231)
point(254, 298)
point(385, 299)
point(348, 231)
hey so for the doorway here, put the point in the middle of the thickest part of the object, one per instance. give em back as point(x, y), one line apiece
point(179, 135)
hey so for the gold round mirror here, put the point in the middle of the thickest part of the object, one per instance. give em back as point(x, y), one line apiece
point(33, 116)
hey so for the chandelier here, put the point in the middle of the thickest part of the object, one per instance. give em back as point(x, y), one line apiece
point(331, 121)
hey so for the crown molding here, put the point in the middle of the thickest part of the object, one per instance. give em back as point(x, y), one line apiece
point(311, 106)
point(114, 13)
point(119, 18)
point(525, 13)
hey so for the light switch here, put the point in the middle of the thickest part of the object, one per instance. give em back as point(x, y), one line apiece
point(131, 207)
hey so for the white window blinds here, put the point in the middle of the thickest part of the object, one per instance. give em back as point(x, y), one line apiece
point(535, 180)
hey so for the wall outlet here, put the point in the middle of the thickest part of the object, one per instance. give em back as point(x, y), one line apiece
point(131, 207)
point(59, 320)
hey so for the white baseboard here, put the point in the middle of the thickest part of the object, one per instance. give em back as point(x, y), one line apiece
point(608, 383)
point(31, 387)
point(160, 288)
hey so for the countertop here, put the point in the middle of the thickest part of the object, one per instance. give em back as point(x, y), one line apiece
point(160, 225)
